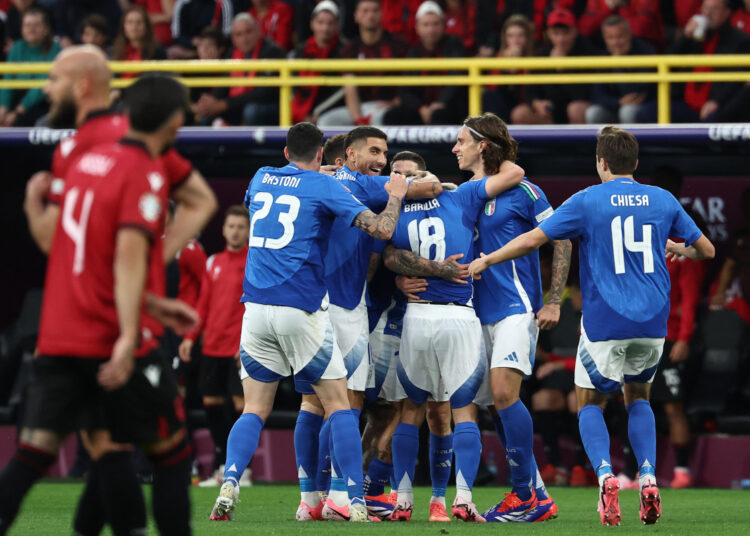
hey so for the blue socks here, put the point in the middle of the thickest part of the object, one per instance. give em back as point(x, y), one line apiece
point(323, 479)
point(595, 438)
point(347, 450)
point(377, 477)
point(306, 433)
point(642, 435)
point(541, 489)
point(519, 436)
point(441, 456)
point(241, 445)
point(467, 447)
point(405, 446)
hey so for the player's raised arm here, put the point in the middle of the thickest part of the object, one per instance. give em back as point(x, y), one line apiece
point(382, 225)
point(424, 186)
point(406, 262)
point(508, 176)
point(700, 249)
point(518, 247)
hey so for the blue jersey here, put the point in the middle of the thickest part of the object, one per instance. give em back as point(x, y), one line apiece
point(384, 297)
point(349, 249)
point(441, 227)
point(623, 228)
point(513, 287)
point(291, 213)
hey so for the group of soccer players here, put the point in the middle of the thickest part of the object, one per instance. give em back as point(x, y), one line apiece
point(323, 249)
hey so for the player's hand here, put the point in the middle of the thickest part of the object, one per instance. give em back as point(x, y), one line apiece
point(174, 314)
point(328, 169)
point(674, 250)
point(116, 372)
point(397, 185)
point(680, 352)
point(411, 286)
point(185, 349)
point(548, 316)
point(39, 185)
point(717, 301)
point(478, 266)
point(453, 271)
point(545, 369)
point(708, 108)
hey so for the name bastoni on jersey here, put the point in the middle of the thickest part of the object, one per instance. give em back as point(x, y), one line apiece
point(429, 205)
point(630, 200)
point(286, 180)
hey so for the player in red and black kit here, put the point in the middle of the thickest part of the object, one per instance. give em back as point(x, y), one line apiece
point(78, 90)
point(221, 323)
point(84, 376)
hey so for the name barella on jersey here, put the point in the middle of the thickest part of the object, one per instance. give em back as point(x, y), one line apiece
point(291, 213)
point(511, 287)
point(349, 248)
point(623, 228)
point(441, 227)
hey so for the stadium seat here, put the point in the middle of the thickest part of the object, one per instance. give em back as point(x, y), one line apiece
point(723, 333)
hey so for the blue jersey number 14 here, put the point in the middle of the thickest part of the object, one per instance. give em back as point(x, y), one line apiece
point(644, 246)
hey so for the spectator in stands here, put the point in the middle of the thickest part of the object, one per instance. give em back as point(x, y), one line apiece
point(516, 41)
point(276, 20)
point(461, 21)
point(669, 384)
point(160, 17)
point(367, 105)
point(310, 101)
point(69, 16)
point(23, 107)
point(558, 103)
point(189, 18)
point(12, 21)
point(210, 45)
point(718, 297)
point(704, 101)
point(619, 103)
point(94, 31)
point(741, 17)
point(399, 18)
point(226, 10)
point(246, 105)
point(644, 17)
point(683, 11)
point(135, 39)
point(431, 105)
point(736, 295)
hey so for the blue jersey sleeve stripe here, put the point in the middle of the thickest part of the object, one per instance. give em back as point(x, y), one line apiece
point(529, 190)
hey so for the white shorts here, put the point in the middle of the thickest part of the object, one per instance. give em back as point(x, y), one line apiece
point(278, 340)
point(384, 350)
point(352, 331)
point(511, 342)
point(606, 365)
point(441, 356)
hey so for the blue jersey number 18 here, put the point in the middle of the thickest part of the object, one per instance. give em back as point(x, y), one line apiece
point(426, 233)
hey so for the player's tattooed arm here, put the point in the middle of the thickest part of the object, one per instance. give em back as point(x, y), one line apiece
point(406, 262)
point(424, 185)
point(549, 315)
point(380, 226)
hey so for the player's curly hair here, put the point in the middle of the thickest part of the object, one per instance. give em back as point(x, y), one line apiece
point(500, 144)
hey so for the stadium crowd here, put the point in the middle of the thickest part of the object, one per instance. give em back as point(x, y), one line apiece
point(136, 30)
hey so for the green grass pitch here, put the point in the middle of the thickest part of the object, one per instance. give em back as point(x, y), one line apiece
point(269, 510)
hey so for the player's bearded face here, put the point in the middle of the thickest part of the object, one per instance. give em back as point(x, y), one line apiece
point(63, 111)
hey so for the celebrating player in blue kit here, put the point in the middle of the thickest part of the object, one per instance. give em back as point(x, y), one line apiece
point(440, 357)
point(623, 229)
point(286, 327)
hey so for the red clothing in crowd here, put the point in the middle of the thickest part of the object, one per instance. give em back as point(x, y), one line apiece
point(192, 262)
point(697, 93)
point(644, 17)
point(109, 188)
point(686, 277)
point(463, 23)
point(685, 9)
point(399, 18)
point(541, 10)
point(106, 127)
point(277, 24)
point(162, 30)
point(741, 20)
point(219, 304)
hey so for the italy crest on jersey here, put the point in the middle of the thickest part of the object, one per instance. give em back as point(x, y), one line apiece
point(489, 208)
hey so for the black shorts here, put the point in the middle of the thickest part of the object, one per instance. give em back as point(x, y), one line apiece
point(559, 380)
point(668, 385)
point(64, 396)
point(220, 377)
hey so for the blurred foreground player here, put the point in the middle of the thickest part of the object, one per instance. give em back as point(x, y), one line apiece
point(623, 228)
point(84, 375)
point(286, 327)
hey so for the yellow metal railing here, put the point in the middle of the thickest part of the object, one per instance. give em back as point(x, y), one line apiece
point(471, 72)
